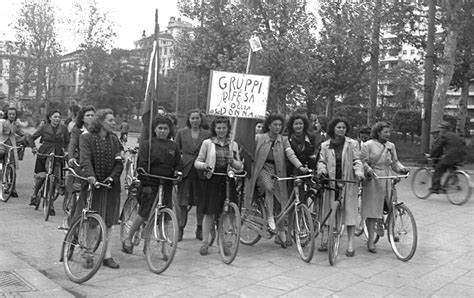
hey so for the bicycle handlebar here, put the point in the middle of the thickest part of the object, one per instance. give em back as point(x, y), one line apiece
point(391, 177)
point(52, 155)
point(132, 150)
point(141, 171)
point(339, 180)
point(232, 174)
point(96, 185)
point(13, 147)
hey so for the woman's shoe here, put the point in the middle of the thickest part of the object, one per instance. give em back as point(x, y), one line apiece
point(128, 249)
point(349, 253)
point(204, 250)
point(371, 250)
point(279, 241)
point(323, 247)
point(111, 263)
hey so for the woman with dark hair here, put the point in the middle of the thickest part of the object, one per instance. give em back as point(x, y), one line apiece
point(302, 142)
point(165, 160)
point(189, 140)
point(270, 152)
point(84, 119)
point(12, 134)
point(54, 138)
point(340, 159)
point(378, 156)
point(72, 115)
point(215, 156)
point(100, 160)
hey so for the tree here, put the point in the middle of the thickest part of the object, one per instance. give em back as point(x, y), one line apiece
point(36, 35)
point(221, 43)
point(407, 121)
point(96, 34)
point(453, 24)
point(464, 67)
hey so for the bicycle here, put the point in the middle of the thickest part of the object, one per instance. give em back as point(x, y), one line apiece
point(455, 183)
point(334, 217)
point(161, 229)
point(49, 191)
point(399, 223)
point(255, 225)
point(84, 245)
point(70, 200)
point(228, 223)
point(130, 207)
point(8, 172)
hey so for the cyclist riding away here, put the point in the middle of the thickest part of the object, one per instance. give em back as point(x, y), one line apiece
point(449, 147)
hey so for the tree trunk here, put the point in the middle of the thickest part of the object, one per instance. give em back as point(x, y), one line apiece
point(428, 81)
point(463, 102)
point(447, 67)
point(330, 107)
point(374, 64)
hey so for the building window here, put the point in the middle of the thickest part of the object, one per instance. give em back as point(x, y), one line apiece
point(404, 52)
point(412, 52)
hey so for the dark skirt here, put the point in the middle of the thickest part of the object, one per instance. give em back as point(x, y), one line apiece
point(146, 198)
point(105, 202)
point(191, 189)
point(215, 193)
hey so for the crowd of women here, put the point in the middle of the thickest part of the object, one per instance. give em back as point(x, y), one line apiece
point(324, 146)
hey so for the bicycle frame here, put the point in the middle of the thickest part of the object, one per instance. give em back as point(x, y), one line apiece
point(130, 163)
point(50, 170)
point(293, 201)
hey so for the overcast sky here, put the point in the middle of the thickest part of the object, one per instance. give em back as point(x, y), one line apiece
point(130, 17)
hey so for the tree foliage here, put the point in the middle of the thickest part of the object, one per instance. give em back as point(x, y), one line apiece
point(35, 30)
point(407, 121)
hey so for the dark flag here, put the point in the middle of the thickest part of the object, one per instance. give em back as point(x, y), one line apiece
point(151, 93)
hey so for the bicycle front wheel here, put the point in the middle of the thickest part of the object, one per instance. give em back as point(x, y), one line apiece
point(335, 231)
point(249, 234)
point(402, 233)
point(303, 228)
point(421, 182)
point(228, 238)
point(84, 247)
point(129, 213)
point(458, 188)
point(8, 184)
point(48, 197)
point(161, 240)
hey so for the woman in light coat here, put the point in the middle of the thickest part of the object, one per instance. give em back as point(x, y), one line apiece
point(270, 152)
point(379, 156)
point(339, 159)
point(217, 155)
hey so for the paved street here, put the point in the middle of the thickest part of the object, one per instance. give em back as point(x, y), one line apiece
point(442, 266)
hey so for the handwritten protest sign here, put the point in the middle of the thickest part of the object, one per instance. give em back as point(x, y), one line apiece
point(237, 95)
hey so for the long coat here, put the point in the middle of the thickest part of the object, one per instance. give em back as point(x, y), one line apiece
point(451, 146)
point(281, 149)
point(105, 201)
point(11, 131)
point(190, 149)
point(382, 159)
point(51, 142)
point(351, 168)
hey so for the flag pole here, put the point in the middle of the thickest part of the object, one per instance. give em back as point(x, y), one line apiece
point(155, 70)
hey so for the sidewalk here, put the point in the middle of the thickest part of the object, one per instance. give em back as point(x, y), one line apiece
point(18, 279)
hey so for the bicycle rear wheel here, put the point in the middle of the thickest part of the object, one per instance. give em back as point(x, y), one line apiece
point(84, 247)
point(248, 232)
point(303, 228)
point(458, 188)
point(228, 238)
point(161, 240)
point(129, 213)
point(8, 184)
point(402, 233)
point(335, 231)
point(421, 182)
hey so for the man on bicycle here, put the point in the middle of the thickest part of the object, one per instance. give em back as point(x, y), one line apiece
point(449, 148)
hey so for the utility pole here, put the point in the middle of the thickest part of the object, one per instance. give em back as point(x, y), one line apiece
point(428, 80)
